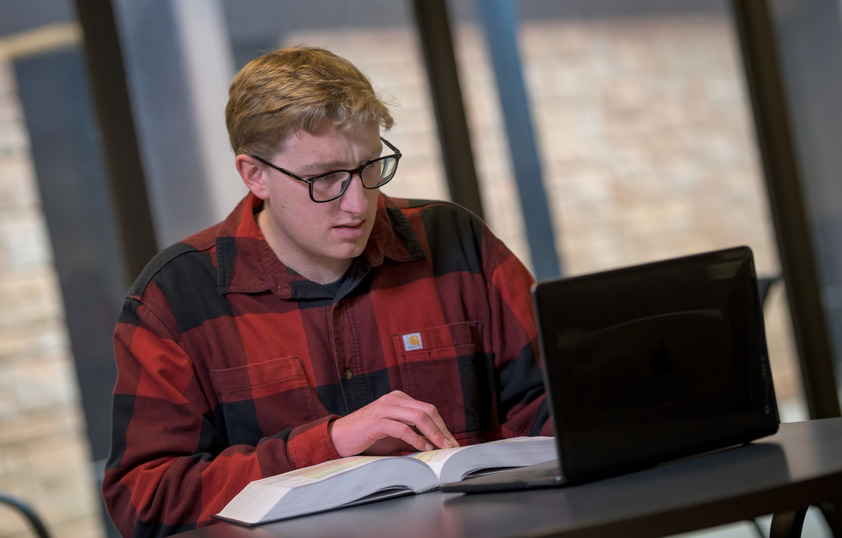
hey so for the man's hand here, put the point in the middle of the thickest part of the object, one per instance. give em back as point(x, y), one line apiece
point(391, 423)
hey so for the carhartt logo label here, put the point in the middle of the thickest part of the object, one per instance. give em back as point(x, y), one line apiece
point(412, 341)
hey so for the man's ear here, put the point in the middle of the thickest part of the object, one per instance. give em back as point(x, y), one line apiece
point(253, 175)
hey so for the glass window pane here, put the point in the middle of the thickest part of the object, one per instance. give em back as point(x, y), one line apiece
point(647, 142)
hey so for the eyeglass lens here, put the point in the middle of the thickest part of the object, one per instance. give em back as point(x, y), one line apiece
point(373, 175)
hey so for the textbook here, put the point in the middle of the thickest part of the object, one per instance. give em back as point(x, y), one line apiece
point(360, 479)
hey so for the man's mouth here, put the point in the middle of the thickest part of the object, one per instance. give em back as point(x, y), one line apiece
point(351, 230)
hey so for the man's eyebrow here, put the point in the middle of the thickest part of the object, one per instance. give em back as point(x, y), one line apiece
point(328, 166)
point(318, 168)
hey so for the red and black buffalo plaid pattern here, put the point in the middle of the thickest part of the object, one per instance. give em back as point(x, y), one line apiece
point(231, 366)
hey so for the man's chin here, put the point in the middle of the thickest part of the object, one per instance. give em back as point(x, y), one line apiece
point(348, 250)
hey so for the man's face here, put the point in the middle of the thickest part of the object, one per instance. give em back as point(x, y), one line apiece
point(319, 240)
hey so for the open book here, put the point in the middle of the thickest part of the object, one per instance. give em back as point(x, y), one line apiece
point(358, 479)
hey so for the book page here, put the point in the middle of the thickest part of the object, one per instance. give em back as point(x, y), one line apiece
point(260, 496)
point(435, 459)
point(319, 472)
point(451, 464)
point(326, 486)
point(358, 479)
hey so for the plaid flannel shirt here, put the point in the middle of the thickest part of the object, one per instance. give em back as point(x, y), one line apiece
point(231, 366)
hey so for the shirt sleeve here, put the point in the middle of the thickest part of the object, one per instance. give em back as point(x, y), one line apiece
point(515, 342)
point(170, 467)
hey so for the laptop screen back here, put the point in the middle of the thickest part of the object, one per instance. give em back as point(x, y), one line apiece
point(655, 362)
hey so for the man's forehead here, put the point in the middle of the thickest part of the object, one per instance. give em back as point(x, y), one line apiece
point(336, 148)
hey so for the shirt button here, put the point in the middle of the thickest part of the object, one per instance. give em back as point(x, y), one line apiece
point(348, 374)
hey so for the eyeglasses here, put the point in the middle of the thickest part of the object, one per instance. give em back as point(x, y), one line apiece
point(331, 185)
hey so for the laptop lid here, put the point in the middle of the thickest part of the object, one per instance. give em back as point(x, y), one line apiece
point(654, 362)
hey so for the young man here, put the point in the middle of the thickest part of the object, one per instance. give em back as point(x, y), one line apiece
point(321, 319)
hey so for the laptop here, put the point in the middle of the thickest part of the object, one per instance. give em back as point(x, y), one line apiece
point(648, 364)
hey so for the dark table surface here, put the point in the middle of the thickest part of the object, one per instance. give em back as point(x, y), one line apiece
point(801, 465)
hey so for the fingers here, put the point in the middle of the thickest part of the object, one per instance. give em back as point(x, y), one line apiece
point(424, 417)
point(403, 432)
point(395, 416)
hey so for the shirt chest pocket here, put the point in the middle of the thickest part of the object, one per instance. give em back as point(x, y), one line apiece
point(264, 398)
point(447, 367)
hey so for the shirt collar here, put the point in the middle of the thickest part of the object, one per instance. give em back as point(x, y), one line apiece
point(247, 264)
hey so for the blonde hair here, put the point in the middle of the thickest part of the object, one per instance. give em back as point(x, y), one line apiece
point(296, 89)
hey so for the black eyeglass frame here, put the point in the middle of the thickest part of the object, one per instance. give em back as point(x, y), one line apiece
point(355, 172)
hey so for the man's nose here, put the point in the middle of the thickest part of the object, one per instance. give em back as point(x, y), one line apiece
point(355, 199)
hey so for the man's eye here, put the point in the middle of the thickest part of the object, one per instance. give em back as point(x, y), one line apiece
point(333, 177)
